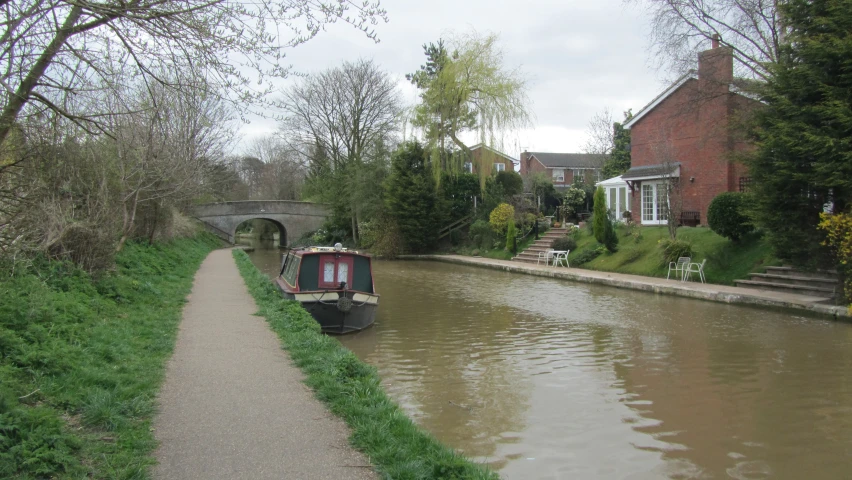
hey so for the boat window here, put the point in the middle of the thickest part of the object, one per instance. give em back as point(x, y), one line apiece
point(328, 271)
point(291, 269)
point(343, 273)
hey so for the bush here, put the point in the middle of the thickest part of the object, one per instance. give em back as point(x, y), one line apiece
point(726, 215)
point(674, 249)
point(564, 243)
point(501, 216)
point(481, 234)
point(511, 232)
point(587, 256)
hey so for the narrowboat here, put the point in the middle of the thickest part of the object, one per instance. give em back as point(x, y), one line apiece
point(334, 284)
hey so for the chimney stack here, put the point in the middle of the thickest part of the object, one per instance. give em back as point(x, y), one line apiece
point(714, 41)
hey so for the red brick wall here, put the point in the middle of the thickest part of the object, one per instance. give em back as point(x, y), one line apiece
point(693, 126)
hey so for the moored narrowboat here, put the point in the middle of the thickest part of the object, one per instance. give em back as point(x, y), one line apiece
point(334, 284)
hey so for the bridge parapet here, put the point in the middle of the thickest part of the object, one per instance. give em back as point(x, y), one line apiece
point(292, 218)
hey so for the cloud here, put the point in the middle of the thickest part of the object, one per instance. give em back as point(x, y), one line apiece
point(578, 57)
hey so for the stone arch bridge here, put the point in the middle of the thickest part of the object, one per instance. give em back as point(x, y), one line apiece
point(293, 219)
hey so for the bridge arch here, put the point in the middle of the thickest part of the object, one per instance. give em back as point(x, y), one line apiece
point(293, 219)
point(282, 230)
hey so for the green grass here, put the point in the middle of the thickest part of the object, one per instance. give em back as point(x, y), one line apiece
point(726, 260)
point(499, 253)
point(352, 390)
point(81, 360)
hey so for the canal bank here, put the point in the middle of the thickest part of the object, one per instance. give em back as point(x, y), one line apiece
point(702, 291)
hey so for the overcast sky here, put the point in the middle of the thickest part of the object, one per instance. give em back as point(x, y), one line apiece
point(579, 57)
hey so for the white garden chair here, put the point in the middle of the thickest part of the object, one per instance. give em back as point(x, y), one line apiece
point(545, 255)
point(696, 268)
point(679, 267)
point(558, 257)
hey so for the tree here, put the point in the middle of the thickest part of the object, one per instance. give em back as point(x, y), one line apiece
point(59, 56)
point(410, 198)
point(341, 119)
point(618, 161)
point(803, 160)
point(467, 89)
point(573, 198)
point(602, 224)
point(726, 215)
point(681, 28)
point(512, 183)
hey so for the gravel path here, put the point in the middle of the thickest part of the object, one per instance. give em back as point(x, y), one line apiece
point(233, 406)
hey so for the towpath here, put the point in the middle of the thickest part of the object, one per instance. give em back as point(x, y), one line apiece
point(233, 405)
point(704, 291)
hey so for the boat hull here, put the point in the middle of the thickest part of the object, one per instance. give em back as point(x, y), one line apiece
point(333, 319)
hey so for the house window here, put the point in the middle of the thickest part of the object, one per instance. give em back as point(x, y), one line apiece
point(499, 166)
point(745, 183)
point(654, 203)
point(559, 175)
point(577, 173)
point(468, 167)
point(622, 201)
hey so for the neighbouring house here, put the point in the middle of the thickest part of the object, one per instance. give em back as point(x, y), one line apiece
point(563, 168)
point(684, 142)
point(487, 160)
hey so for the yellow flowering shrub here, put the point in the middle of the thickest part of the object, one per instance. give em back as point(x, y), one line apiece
point(500, 217)
point(838, 229)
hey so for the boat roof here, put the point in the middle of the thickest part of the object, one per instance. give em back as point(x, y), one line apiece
point(318, 249)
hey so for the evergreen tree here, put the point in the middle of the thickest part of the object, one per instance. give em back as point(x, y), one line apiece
point(804, 135)
point(411, 198)
point(619, 159)
point(602, 224)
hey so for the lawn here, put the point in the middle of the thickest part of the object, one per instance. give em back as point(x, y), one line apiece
point(726, 260)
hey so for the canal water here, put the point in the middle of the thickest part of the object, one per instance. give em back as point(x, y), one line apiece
point(548, 379)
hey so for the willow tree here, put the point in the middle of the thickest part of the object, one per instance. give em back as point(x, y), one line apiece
point(466, 88)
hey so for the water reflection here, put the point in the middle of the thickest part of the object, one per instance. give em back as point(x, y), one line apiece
point(550, 379)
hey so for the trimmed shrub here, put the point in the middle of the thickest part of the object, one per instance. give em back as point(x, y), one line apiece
point(726, 215)
point(564, 243)
point(674, 249)
point(511, 232)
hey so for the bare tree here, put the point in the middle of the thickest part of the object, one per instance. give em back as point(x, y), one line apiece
point(599, 137)
point(55, 53)
point(283, 169)
point(339, 120)
point(162, 149)
point(681, 28)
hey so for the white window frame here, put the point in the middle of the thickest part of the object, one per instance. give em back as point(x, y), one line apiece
point(577, 173)
point(468, 167)
point(621, 197)
point(500, 166)
point(653, 213)
point(559, 175)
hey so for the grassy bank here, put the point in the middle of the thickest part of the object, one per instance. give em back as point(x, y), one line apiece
point(499, 253)
point(81, 360)
point(352, 390)
point(726, 260)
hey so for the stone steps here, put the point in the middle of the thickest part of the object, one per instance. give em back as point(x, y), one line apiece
point(530, 255)
point(819, 283)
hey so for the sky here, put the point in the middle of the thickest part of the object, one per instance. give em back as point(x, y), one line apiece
point(578, 56)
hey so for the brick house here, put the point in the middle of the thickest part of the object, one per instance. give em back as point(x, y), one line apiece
point(563, 168)
point(684, 141)
point(495, 160)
